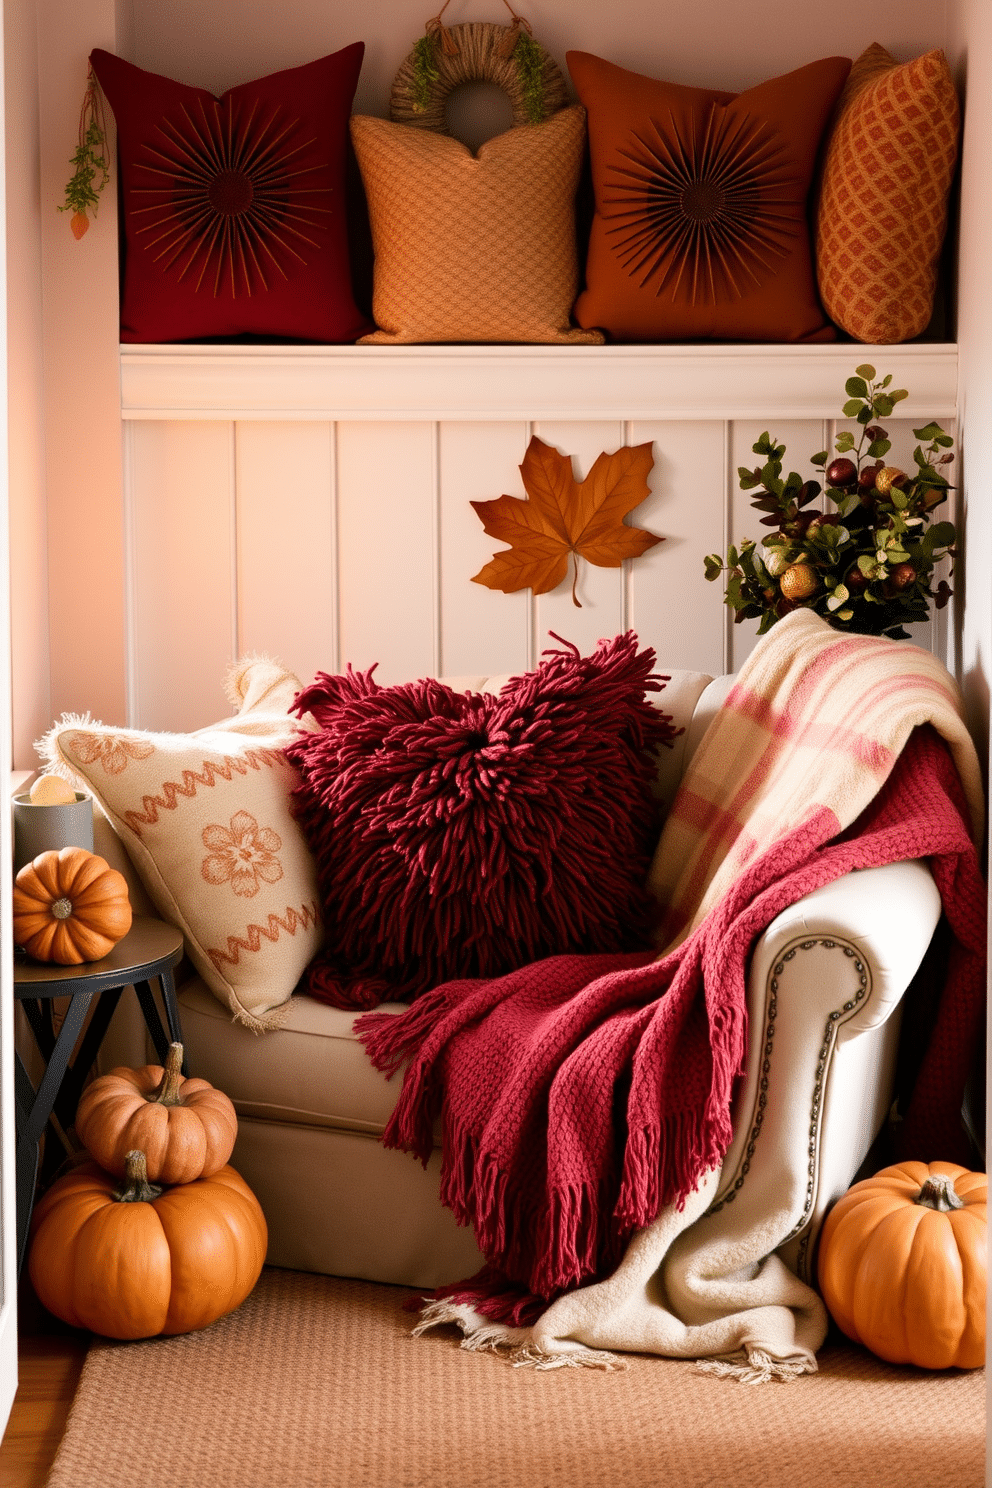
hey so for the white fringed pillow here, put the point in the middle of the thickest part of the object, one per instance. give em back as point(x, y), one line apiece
point(205, 820)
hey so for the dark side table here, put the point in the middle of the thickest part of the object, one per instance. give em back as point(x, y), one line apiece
point(150, 949)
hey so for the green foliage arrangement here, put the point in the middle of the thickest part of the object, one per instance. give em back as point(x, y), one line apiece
point(868, 566)
point(91, 168)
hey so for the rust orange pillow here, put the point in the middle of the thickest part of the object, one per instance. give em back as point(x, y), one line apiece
point(882, 209)
point(700, 228)
point(233, 207)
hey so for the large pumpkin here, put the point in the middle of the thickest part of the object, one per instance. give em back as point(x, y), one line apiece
point(133, 1260)
point(185, 1127)
point(70, 906)
point(902, 1264)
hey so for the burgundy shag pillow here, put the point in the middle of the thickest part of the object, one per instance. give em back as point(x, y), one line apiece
point(462, 834)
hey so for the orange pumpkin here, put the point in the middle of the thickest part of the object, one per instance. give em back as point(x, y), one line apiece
point(185, 1127)
point(135, 1260)
point(70, 906)
point(902, 1264)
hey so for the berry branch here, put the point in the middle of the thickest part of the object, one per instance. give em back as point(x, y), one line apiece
point(868, 567)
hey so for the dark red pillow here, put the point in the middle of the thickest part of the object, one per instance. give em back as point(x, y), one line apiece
point(462, 834)
point(234, 216)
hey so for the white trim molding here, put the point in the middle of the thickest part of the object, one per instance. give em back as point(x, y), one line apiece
point(498, 383)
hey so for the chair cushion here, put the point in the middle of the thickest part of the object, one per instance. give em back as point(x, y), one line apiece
point(310, 1070)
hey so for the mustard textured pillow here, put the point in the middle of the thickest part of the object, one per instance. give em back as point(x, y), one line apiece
point(205, 820)
point(473, 247)
point(882, 209)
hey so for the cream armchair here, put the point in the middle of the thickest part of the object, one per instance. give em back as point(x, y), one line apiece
point(825, 985)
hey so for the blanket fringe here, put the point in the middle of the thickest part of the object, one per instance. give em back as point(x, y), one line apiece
point(753, 1366)
point(512, 1345)
point(389, 1040)
point(530, 1356)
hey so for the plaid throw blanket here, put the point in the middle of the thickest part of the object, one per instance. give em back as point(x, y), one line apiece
point(579, 1096)
point(816, 719)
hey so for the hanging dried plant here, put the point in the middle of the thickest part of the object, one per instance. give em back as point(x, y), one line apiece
point(91, 168)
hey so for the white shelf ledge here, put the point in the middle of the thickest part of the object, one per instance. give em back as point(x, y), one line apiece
point(522, 382)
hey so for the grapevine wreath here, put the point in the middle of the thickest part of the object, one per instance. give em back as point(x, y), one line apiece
point(445, 57)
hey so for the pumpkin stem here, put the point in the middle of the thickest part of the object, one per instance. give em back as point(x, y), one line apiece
point(938, 1193)
point(166, 1093)
point(137, 1190)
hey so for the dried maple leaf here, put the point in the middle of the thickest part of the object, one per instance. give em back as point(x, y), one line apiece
point(563, 516)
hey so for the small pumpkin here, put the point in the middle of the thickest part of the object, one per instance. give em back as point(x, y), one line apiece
point(902, 1264)
point(185, 1127)
point(134, 1260)
point(70, 906)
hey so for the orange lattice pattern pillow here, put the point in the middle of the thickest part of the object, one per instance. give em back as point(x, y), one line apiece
point(882, 209)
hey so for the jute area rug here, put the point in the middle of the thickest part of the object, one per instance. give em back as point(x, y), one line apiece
point(316, 1383)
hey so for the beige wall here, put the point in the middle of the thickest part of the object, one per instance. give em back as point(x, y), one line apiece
point(28, 515)
point(970, 45)
point(729, 43)
point(66, 531)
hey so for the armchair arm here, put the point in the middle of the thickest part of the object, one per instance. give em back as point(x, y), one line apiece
point(825, 979)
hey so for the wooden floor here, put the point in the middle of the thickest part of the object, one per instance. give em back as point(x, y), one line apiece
point(50, 1359)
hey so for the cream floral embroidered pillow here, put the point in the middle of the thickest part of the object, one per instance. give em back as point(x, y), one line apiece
point(205, 820)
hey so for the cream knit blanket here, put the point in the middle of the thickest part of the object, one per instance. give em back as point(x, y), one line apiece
point(816, 719)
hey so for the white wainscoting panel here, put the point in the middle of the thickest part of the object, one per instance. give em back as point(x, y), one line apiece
point(181, 565)
point(388, 548)
point(327, 540)
point(287, 570)
point(670, 600)
point(482, 630)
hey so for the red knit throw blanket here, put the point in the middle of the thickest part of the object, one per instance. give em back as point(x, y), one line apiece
point(581, 1093)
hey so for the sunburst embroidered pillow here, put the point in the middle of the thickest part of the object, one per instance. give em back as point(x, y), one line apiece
point(234, 207)
point(700, 227)
point(205, 820)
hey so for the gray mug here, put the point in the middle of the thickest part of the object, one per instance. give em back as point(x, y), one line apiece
point(40, 828)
